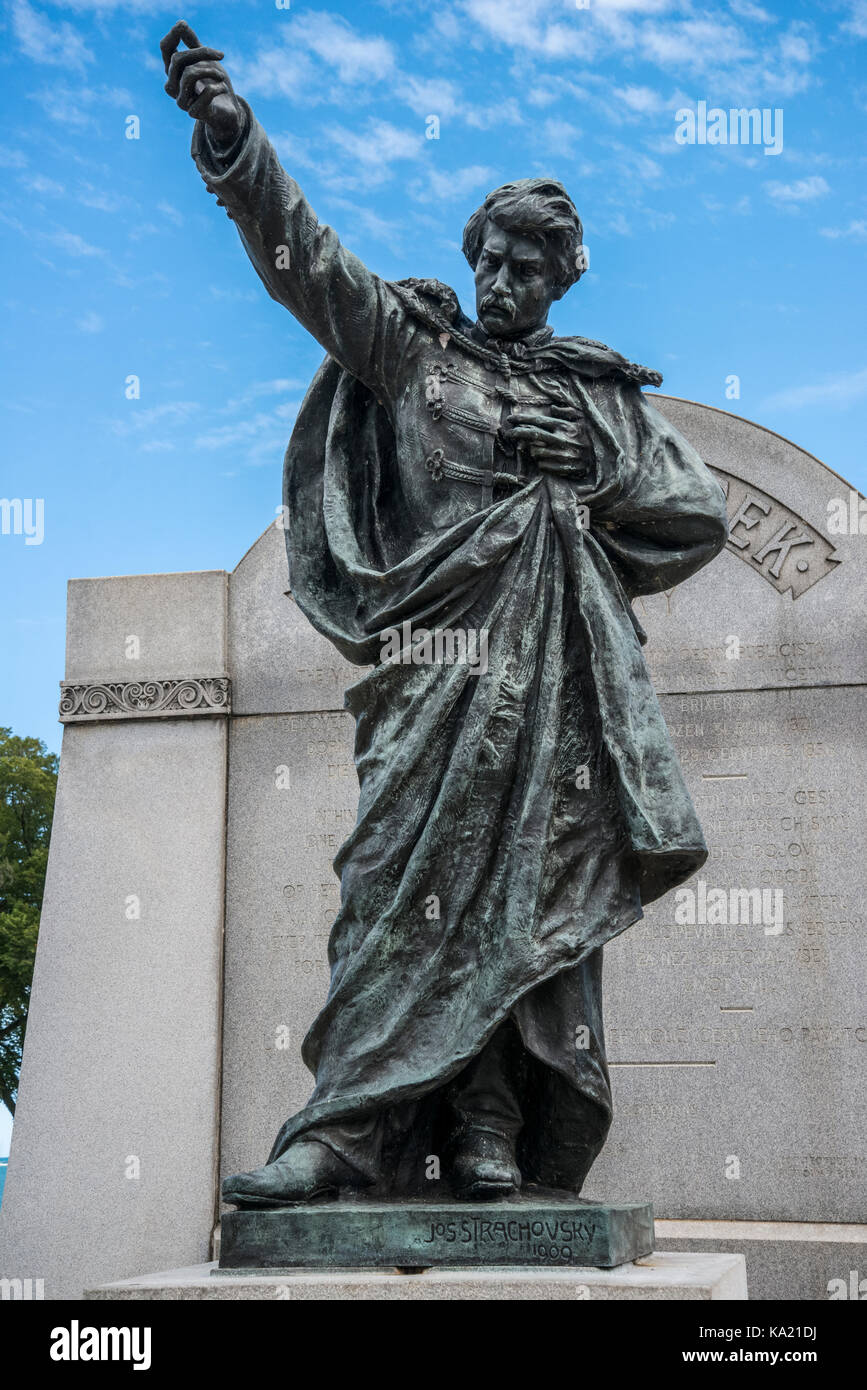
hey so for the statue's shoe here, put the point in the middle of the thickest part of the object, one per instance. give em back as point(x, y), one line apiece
point(306, 1171)
point(483, 1166)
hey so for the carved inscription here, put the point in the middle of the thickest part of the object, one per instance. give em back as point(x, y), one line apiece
point(558, 1239)
point(772, 539)
point(713, 1024)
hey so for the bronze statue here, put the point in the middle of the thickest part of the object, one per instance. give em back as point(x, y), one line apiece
point(453, 486)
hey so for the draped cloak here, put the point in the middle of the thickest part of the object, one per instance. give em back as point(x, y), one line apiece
point(512, 822)
point(469, 797)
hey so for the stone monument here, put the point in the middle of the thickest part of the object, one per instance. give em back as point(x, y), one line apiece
point(179, 1029)
point(189, 899)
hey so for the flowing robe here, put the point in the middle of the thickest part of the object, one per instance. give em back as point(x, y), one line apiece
point(511, 822)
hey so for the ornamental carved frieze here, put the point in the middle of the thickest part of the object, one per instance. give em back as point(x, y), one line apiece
point(166, 699)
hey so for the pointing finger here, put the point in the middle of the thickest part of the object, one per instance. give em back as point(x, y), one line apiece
point(179, 33)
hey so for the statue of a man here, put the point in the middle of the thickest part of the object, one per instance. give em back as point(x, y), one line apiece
point(470, 508)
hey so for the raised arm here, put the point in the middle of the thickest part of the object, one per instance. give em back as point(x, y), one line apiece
point(354, 314)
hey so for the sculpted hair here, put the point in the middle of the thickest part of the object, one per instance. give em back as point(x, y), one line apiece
point(540, 208)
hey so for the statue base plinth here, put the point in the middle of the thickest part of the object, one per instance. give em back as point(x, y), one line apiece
point(534, 1228)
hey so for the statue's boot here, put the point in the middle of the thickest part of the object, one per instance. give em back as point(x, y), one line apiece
point(307, 1170)
point(488, 1119)
point(483, 1165)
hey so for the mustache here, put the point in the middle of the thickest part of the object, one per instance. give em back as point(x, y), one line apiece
point(500, 301)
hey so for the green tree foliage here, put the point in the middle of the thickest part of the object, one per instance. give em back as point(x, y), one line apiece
point(28, 782)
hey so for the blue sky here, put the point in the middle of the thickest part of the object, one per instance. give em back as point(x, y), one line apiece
point(707, 261)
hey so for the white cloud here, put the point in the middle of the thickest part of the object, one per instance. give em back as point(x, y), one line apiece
point(695, 44)
point(785, 70)
point(156, 446)
point(277, 386)
point(79, 106)
point(389, 232)
point(800, 191)
point(632, 6)
point(643, 100)
point(430, 96)
point(348, 158)
point(747, 10)
point(98, 7)
point(354, 57)
point(49, 188)
point(742, 207)
point(74, 244)
point(316, 47)
point(171, 212)
point(857, 22)
point(542, 95)
point(322, 58)
point(511, 21)
point(523, 24)
point(794, 47)
point(90, 323)
point(234, 296)
point(57, 45)
point(619, 224)
point(502, 112)
point(633, 163)
point(671, 34)
point(277, 71)
point(263, 434)
point(144, 229)
point(98, 199)
point(447, 185)
point(139, 419)
point(559, 137)
point(856, 230)
point(295, 152)
point(841, 390)
point(369, 153)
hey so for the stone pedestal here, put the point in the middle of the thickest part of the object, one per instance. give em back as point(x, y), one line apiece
point(670, 1277)
point(115, 1147)
point(801, 1260)
point(534, 1228)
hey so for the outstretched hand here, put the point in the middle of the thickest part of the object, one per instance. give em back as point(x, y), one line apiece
point(199, 84)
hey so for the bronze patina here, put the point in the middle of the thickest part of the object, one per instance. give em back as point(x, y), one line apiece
point(471, 507)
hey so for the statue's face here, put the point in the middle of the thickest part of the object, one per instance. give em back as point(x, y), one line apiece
point(514, 283)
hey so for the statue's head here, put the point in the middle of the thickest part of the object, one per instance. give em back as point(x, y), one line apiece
point(525, 247)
